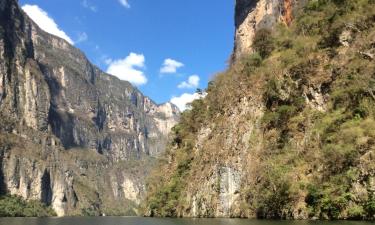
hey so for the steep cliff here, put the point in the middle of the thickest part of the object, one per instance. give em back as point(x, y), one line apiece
point(253, 15)
point(71, 136)
point(288, 130)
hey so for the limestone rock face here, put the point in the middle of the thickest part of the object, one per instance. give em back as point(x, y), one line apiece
point(252, 15)
point(223, 177)
point(71, 135)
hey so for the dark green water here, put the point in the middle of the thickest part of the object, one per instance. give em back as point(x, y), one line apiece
point(157, 221)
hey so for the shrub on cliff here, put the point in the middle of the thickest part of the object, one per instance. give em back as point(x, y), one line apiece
point(263, 42)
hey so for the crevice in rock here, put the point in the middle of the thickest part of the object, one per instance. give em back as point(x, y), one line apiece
point(3, 186)
point(46, 189)
point(100, 117)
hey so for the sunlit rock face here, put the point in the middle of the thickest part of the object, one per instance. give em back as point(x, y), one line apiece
point(252, 15)
point(71, 135)
point(218, 192)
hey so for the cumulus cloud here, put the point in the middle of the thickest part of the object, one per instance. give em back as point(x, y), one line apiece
point(182, 101)
point(40, 17)
point(88, 5)
point(192, 82)
point(124, 3)
point(107, 60)
point(170, 66)
point(129, 69)
point(82, 36)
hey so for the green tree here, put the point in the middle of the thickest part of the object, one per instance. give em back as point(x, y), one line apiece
point(263, 42)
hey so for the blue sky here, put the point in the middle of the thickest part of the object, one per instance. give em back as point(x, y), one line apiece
point(167, 48)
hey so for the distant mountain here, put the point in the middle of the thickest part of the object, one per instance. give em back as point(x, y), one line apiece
point(72, 136)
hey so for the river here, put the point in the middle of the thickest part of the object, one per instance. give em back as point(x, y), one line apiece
point(161, 221)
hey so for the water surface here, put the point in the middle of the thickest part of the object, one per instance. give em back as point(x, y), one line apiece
point(161, 221)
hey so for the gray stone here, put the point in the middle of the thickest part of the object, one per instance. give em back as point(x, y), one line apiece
point(71, 135)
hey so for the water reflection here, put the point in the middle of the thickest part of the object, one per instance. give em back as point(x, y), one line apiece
point(161, 221)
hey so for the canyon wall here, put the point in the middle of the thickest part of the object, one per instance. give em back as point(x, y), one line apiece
point(284, 135)
point(72, 136)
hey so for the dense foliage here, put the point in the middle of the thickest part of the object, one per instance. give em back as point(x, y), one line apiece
point(13, 206)
point(316, 80)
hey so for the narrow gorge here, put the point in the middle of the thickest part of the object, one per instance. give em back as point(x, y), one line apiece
point(287, 131)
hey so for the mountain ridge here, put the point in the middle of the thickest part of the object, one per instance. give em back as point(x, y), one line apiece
point(58, 107)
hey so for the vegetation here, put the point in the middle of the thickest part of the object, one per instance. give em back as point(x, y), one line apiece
point(263, 42)
point(165, 199)
point(341, 137)
point(317, 132)
point(14, 206)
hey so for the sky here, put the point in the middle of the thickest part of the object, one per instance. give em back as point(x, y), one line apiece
point(166, 48)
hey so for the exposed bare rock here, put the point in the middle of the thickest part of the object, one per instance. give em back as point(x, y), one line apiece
point(71, 135)
point(252, 15)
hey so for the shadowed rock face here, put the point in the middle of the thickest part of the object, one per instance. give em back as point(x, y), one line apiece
point(71, 135)
point(243, 8)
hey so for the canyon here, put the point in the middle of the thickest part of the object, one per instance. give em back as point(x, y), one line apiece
point(286, 132)
point(72, 136)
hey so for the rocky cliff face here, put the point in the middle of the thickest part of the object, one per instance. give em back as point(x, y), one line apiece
point(252, 15)
point(70, 135)
point(287, 135)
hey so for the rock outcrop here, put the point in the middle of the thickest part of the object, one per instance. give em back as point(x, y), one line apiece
point(252, 15)
point(71, 135)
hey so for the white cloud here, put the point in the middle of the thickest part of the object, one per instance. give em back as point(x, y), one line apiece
point(129, 68)
point(82, 36)
point(107, 61)
point(124, 3)
point(40, 17)
point(192, 82)
point(89, 5)
point(170, 66)
point(186, 98)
